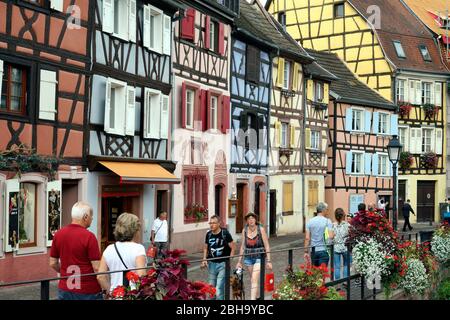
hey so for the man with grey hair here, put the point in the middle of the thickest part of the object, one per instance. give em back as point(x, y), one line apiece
point(318, 230)
point(75, 252)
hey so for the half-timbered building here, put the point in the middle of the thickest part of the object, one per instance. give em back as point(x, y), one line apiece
point(130, 169)
point(44, 85)
point(361, 123)
point(201, 147)
point(394, 53)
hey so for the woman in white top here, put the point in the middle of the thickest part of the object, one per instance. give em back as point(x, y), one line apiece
point(341, 230)
point(124, 254)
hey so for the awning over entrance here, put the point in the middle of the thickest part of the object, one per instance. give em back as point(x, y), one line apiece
point(135, 172)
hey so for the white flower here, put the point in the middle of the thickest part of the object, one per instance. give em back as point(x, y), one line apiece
point(416, 279)
point(440, 246)
point(369, 259)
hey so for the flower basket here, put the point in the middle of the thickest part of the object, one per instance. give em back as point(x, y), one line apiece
point(429, 160)
point(406, 160)
point(430, 110)
point(404, 108)
point(195, 213)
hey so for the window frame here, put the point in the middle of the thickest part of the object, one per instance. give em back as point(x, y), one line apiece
point(317, 139)
point(288, 213)
point(214, 112)
point(214, 36)
point(123, 86)
point(36, 190)
point(387, 124)
point(24, 98)
point(284, 135)
point(336, 8)
point(360, 154)
point(281, 17)
point(426, 57)
point(402, 54)
point(404, 83)
point(122, 34)
point(287, 77)
point(385, 156)
point(361, 111)
point(424, 92)
point(319, 85)
point(190, 116)
point(158, 30)
point(405, 143)
point(431, 134)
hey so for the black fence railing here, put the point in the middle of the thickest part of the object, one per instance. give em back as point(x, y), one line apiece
point(356, 278)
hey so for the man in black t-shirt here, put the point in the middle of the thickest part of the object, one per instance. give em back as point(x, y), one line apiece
point(218, 244)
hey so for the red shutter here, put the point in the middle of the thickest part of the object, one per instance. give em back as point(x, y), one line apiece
point(189, 190)
point(197, 190)
point(183, 105)
point(205, 192)
point(225, 125)
point(203, 109)
point(188, 25)
point(221, 39)
point(207, 32)
point(208, 110)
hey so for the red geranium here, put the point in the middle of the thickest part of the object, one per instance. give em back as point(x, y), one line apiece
point(118, 292)
point(131, 276)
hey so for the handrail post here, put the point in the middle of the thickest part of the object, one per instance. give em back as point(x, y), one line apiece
point(227, 279)
point(262, 276)
point(348, 275)
point(313, 253)
point(291, 259)
point(45, 290)
point(332, 262)
point(362, 286)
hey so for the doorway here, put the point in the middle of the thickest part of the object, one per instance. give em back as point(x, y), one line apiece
point(257, 205)
point(425, 201)
point(161, 202)
point(112, 208)
point(240, 208)
point(218, 201)
point(69, 198)
point(273, 212)
point(387, 199)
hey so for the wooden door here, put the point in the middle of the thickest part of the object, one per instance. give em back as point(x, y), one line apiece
point(425, 201)
point(217, 200)
point(240, 208)
point(401, 195)
point(273, 212)
point(257, 200)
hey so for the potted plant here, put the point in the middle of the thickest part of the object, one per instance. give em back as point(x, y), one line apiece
point(406, 160)
point(404, 108)
point(195, 213)
point(430, 110)
point(429, 160)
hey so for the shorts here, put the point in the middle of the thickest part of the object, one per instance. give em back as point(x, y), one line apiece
point(250, 261)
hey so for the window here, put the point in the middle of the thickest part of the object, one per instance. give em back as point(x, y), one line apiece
point(195, 189)
point(282, 19)
point(425, 54)
point(251, 138)
point(214, 112)
point(313, 193)
point(426, 92)
point(252, 64)
point(13, 88)
point(287, 75)
point(315, 140)
point(383, 165)
point(427, 142)
point(339, 10)
point(318, 95)
point(213, 36)
point(358, 120)
point(401, 90)
point(284, 135)
point(357, 163)
point(383, 123)
point(288, 199)
point(399, 49)
point(152, 113)
point(27, 215)
point(119, 108)
point(155, 29)
point(119, 18)
point(190, 102)
point(403, 137)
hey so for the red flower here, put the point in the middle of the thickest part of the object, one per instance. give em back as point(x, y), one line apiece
point(131, 276)
point(151, 272)
point(119, 292)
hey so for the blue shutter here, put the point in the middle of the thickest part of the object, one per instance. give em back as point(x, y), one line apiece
point(367, 120)
point(390, 169)
point(376, 120)
point(375, 164)
point(367, 163)
point(348, 119)
point(394, 125)
point(348, 160)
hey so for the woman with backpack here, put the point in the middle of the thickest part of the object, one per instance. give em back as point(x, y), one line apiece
point(254, 243)
point(340, 228)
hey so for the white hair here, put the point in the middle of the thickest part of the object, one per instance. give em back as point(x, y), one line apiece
point(321, 207)
point(79, 209)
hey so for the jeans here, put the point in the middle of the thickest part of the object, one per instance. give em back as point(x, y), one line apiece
point(216, 278)
point(251, 260)
point(347, 260)
point(320, 257)
point(67, 295)
point(162, 249)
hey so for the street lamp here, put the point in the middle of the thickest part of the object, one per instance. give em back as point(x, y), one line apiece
point(394, 148)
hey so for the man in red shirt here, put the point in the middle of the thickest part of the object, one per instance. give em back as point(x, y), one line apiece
point(75, 252)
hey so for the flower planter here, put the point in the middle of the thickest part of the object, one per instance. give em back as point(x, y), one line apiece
point(188, 220)
point(404, 109)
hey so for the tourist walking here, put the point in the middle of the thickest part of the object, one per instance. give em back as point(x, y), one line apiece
point(340, 229)
point(124, 254)
point(254, 243)
point(218, 244)
point(75, 251)
point(406, 209)
point(160, 235)
point(318, 230)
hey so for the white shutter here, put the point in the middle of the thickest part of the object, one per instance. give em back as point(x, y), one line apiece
point(418, 93)
point(167, 23)
point(108, 16)
point(433, 140)
point(12, 213)
point(367, 164)
point(132, 20)
point(412, 91)
point(375, 164)
point(438, 141)
point(412, 140)
point(146, 112)
point(394, 124)
point(155, 112)
point(376, 122)
point(432, 88)
point(164, 131)
point(438, 95)
point(54, 214)
point(348, 119)
point(348, 162)
point(418, 142)
point(367, 120)
point(107, 105)
point(130, 113)
point(146, 33)
point(57, 5)
point(47, 95)
point(1, 78)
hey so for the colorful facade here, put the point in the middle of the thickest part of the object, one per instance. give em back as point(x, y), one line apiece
point(200, 141)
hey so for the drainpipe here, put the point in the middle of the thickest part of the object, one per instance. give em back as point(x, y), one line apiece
point(303, 150)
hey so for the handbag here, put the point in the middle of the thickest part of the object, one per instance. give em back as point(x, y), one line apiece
point(152, 251)
point(125, 281)
point(269, 283)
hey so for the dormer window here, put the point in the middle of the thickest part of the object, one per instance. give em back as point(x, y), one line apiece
point(399, 49)
point(425, 53)
point(282, 19)
point(339, 10)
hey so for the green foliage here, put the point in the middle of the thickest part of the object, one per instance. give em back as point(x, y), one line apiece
point(443, 291)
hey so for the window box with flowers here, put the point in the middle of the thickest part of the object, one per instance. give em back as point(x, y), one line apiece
point(429, 160)
point(406, 160)
point(195, 213)
point(404, 108)
point(430, 110)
